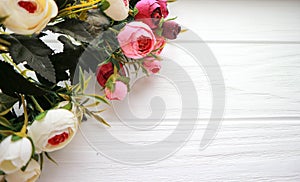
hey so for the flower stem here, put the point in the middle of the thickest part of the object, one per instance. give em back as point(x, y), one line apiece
point(80, 6)
point(37, 105)
point(22, 133)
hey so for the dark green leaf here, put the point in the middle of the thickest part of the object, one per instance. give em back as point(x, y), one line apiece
point(32, 50)
point(4, 122)
point(6, 102)
point(74, 28)
point(12, 82)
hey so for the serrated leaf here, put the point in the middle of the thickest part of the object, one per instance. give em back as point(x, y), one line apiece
point(74, 28)
point(16, 83)
point(34, 51)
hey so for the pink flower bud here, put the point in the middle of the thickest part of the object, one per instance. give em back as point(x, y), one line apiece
point(152, 66)
point(119, 93)
point(171, 29)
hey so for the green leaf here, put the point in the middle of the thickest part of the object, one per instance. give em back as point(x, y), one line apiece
point(34, 51)
point(16, 83)
point(97, 117)
point(73, 27)
point(67, 60)
point(110, 83)
point(40, 116)
point(1, 173)
point(6, 102)
point(135, 11)
point(123, 79)
point(98, 97)
point(4, 122)
point(15, 138)
point(104, 5)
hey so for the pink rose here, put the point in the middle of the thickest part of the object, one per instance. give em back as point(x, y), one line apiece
point(160, 44)
point(119, 93)
point(151, 11)
point(151, 65)
point(136, 40)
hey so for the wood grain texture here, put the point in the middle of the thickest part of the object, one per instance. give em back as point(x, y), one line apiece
point(256, 44)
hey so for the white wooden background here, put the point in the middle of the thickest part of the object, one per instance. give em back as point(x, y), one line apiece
point(257, 44)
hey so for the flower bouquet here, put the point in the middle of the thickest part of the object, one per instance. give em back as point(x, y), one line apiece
point(43, 96)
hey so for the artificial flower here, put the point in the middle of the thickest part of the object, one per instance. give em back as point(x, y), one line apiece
point(151, 12)
point(136, 40)
point(105, 71)
point(160, 44)
point(14, 154)
point(54, 131)
point(171, 29)
point(119, 93)
point(117, 10)
point(27, 16)
point(31, 173)
point(152, 65)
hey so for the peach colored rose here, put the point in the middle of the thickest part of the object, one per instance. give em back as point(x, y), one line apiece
point(27, 16)
point(136, 40)
point(118, 9)
point(54, 131)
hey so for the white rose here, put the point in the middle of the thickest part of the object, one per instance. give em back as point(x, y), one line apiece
point(54, 131)
point(27, 16)
point(118, 9)
point(14, 155)
point(31, 173)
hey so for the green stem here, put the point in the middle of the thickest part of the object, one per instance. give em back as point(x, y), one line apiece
point(37, 105)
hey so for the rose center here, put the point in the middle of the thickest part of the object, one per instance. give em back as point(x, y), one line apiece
point(29, 6)
point(144, 43)
point(57, 139)
point(156, 16)
point(126, 2)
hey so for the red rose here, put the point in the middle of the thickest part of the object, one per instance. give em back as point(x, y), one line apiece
point(105, 71)
point(171, 29)
point(151, 11)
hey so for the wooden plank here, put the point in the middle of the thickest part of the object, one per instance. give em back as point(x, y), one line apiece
point(253, 151)
point(261, 80)
point(240, 21)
